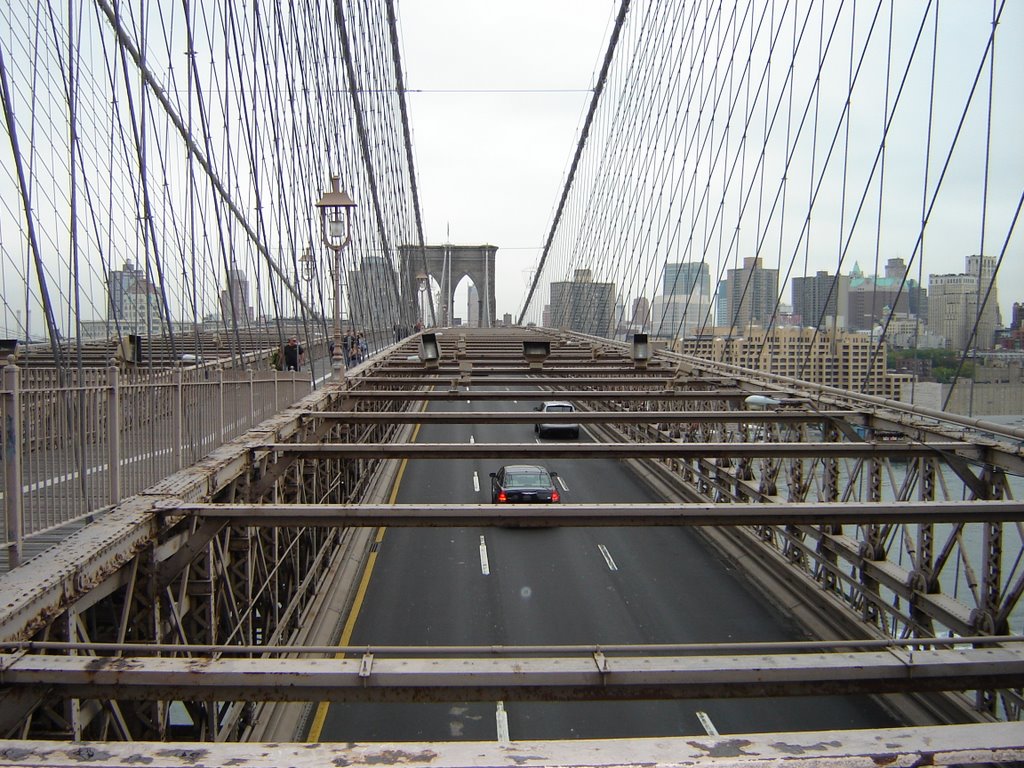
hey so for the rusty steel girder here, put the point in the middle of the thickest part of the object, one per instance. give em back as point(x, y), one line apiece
point(962, 745)
point(602, 676)
point(247, 531)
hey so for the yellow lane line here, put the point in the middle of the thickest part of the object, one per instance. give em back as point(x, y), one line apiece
point(316, 729)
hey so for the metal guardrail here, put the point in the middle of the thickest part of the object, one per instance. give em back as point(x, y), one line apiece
point(74, 449)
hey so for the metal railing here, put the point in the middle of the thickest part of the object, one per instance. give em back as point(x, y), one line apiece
point(76, 444)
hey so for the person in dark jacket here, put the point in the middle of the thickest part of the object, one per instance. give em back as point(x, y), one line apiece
point(294, 355)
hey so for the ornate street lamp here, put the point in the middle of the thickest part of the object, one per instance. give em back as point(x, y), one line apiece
point(307, 265)
point(336, 230)
point(421, 285)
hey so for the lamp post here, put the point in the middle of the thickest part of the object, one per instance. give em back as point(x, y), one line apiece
point(307, 265)
point(336, 230)
point(421, 286)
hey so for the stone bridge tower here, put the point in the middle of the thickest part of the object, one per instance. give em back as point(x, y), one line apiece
point(447, 265)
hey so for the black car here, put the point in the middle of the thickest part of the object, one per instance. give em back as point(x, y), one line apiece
point(523, 484)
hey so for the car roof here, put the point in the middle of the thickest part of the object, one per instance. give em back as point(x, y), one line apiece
point(516, 468)
point(558, 402)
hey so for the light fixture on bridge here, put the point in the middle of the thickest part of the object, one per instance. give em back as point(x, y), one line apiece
point(422, 283)
point(430, 350)
point(307, 265)
point(336, 231)
point(535, 352)
point(336, 216)
point(641, 350)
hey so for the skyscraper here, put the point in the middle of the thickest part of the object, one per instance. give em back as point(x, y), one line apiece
point(873, 298)
point(751, 295)
point(641, 312)
point(135, 303)
point(959, 302)
point(583, 305)
point(689, 277)
point(684, 304)
point(472, 307)
point(234, 301)
point(822, 301)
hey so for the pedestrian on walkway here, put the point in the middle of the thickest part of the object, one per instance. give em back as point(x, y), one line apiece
point(294, 355)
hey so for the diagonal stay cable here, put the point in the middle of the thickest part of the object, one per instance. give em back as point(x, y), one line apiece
point(598, 89)
point(113, 17)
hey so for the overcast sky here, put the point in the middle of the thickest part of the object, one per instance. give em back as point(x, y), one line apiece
point(491, 163)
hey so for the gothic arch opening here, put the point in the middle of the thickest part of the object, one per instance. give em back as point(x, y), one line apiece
point(446, 266)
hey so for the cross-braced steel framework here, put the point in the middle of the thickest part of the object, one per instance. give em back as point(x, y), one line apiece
point(202, 594)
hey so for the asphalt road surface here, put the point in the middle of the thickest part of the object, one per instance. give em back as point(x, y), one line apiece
point(483, 586)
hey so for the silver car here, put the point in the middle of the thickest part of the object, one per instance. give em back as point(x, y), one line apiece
point(566, 428)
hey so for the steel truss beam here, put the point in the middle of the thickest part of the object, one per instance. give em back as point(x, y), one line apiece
point(240, 535)
point(598, 677)
point(829, 513)
point(699, 450)
point(732, 396)
point(983, 744)
point(588, 417)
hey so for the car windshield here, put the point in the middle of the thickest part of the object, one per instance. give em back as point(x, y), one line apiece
point(527, 480)
point(559, 408)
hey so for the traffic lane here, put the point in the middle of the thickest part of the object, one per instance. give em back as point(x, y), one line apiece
point(429, 587)
point(644, 585)
point(546, 586)
point(609, 586)
point(661, 585)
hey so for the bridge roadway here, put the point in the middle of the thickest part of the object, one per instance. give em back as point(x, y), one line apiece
point(559, 586)
point(178, 615)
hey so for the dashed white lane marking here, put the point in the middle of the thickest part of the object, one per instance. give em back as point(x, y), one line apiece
point(706, 723)
point(485, 567)
point(476, 482)
point(472, 440)
point(607, 557)
point(561, 482)
point(501, 718)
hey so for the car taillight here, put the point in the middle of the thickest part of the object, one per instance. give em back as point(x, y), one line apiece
point(554, 495)
point(502, 496)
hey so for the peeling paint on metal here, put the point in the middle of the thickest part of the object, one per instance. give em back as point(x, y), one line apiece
point(527, 759)
point(186, 756)
point(723, 747)
point(15, 754)
point(90, 755)
point(802, 749)
point(399, 757)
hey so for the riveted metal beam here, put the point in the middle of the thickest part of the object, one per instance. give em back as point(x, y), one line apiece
point(567, 450)
point(584, 417)
point(458, 515)
point(974, 744)
point(515, 679)
point(732, 395)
